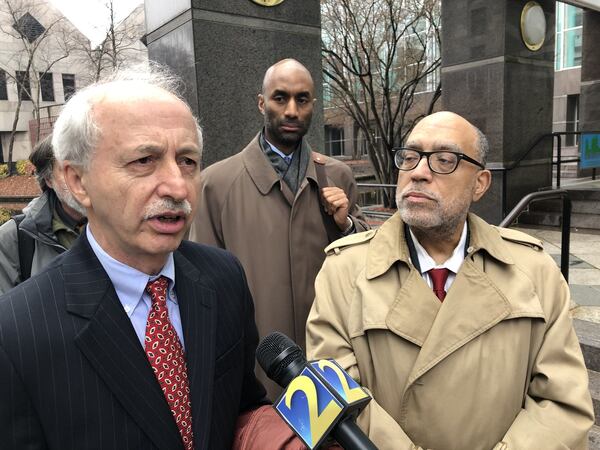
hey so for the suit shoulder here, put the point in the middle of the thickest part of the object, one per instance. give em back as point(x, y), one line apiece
point(520, 238)
point(30, 297)
point(353, 240)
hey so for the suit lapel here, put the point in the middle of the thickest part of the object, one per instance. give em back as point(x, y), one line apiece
point(110, 344)
point(197, 305)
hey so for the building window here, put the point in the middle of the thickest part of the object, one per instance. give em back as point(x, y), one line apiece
point(68, 80)
point(23, 87)
point(47, 86)
point(417, 51)
point(569, 25)
point(334, 140)
point(572, 120)
point(29, 27)
point(363, 143)
point(3, 90)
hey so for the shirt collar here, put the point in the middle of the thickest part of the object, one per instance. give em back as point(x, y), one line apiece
point(285, 157)
point(453, 263)
point(130, 283)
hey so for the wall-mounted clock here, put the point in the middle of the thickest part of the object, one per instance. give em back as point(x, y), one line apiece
point(533, 26)
point(267, 2)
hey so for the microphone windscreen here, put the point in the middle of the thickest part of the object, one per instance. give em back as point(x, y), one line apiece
point(276, 353)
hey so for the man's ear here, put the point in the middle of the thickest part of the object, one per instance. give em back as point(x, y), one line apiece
point(482, 184)
point(75, 178)
point(261, 104)
point(49, 182)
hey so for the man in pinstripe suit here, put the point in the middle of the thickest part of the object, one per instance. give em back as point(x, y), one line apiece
point(132, 339)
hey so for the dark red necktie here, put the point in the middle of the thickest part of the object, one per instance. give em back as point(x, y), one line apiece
point(166, 356)
point(438, 279)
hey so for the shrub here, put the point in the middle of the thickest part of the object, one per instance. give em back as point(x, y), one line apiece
point(3, 170)
point(24, 167)
point(5, 214)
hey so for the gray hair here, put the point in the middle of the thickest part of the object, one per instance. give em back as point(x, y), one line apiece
point(76, 135)
point(483, 145)
point(42, 157)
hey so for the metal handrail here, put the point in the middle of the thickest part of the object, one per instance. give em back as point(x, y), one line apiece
point(565, 226)
point(559, 161)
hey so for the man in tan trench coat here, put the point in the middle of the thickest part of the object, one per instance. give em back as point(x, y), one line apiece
point(264, 205)
point(496, 364)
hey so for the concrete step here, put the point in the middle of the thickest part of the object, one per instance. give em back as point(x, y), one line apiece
point(589, 340)
point(585, 210)
point(595, 392)
point(553, 219)
point(577, 206)
point(594, 439)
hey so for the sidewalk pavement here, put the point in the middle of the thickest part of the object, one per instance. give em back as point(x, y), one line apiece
point(584, 267)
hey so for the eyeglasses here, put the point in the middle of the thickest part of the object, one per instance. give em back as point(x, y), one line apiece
point(442, 162)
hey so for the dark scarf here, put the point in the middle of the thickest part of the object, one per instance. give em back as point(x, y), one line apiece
point(292, 173)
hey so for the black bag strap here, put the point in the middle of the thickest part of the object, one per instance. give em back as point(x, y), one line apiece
point(333, 231)
point(26, 246)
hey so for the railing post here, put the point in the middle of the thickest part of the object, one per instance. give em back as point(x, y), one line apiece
point(504, 191)
point(566, 237)
point(558, 156)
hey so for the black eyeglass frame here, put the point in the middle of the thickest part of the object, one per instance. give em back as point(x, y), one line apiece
point(460, 156)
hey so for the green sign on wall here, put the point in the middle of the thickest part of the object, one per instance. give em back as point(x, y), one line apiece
point(589, 150)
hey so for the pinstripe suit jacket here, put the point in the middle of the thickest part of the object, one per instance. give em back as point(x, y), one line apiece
point(73, 374)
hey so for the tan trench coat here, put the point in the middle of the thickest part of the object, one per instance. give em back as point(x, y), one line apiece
point(246, 208)
point(497, 365)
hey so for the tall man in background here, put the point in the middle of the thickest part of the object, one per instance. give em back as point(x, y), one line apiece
point(277, 204)
point(132, 339)
point(460, 330)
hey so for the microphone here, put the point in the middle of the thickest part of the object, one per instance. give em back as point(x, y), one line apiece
point(319, 398)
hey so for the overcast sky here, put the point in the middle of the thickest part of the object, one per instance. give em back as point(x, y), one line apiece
point(91, 16)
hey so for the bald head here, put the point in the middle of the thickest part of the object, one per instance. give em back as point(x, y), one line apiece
point(433, 201)
point(286, 102)
point(284, 69)
point(447, 120)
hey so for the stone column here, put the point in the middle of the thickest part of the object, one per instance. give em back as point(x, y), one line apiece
point(222, 50)
point(490, 77)
point(589, 106)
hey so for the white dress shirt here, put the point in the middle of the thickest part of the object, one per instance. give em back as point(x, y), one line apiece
point(453, 263)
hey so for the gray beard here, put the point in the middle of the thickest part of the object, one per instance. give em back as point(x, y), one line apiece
point(67, 198)
point(437, 222)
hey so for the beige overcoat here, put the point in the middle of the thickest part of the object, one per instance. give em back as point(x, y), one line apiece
point(246, 208)
point(496, 365)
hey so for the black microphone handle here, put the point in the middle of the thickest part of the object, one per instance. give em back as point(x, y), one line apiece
point(350, 437)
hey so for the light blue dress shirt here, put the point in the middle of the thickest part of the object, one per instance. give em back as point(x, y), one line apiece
point(286, 158)
point(130, 285)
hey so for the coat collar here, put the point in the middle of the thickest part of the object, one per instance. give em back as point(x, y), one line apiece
point(260, 170)
point(389, 244)
point(474, 304)
point(110, 344)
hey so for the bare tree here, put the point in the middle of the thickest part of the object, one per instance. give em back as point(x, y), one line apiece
point(39, 40)
point(377, 55)
point(121, 44)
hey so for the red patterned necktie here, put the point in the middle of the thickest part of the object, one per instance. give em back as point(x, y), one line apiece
point(166, 356)
point(438, 278)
